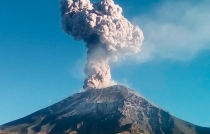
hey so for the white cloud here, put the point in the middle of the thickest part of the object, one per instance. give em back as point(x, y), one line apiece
point(123, 82)
point(50, 101)
point(175, 31)
point(76, 69)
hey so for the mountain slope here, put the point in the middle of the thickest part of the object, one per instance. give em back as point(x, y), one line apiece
point(113, 110)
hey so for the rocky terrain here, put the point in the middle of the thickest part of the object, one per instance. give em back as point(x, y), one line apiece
point(113, 110)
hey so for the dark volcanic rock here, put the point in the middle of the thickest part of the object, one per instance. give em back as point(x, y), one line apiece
point(113, 110)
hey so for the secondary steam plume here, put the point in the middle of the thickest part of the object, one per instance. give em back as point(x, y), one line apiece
point(105, 31)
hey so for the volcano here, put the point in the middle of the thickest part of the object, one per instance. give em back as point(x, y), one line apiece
point(112, 110)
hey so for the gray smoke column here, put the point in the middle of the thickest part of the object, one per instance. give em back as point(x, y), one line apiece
point(105, 31)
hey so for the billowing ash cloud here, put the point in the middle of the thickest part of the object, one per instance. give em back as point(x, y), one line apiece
point(105, 31)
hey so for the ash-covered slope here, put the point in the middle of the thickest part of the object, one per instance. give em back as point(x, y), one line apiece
point(113, 110)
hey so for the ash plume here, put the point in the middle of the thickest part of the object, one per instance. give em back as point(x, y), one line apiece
point(105, 31)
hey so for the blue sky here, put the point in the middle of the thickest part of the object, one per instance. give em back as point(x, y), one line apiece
point(41, 65)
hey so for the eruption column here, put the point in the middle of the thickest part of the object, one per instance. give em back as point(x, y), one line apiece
point(105, 31)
